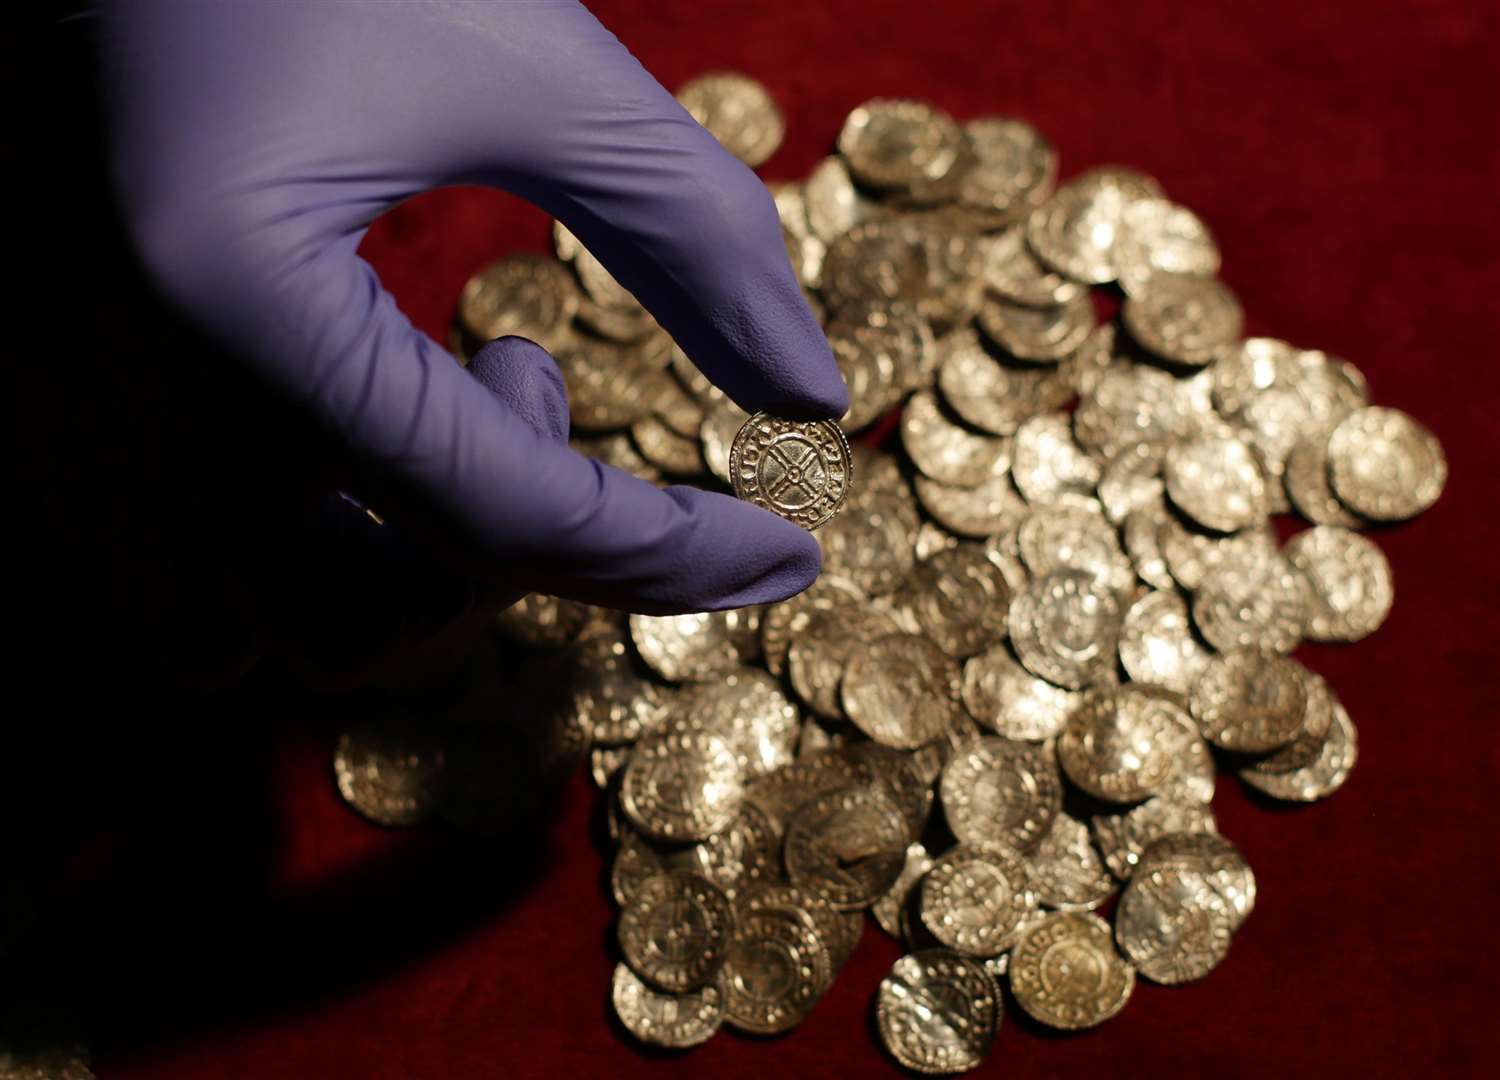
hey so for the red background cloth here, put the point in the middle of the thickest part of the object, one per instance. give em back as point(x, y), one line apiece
point(1345, 156)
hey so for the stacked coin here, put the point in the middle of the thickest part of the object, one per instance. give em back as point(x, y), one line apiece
point(1043, 623)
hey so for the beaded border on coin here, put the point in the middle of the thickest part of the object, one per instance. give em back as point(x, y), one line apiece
point(758, 439)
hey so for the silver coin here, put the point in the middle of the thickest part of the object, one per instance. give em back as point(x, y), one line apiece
point(797, 470)
point(1157, 643)
point(975, 899)
point(661, 1019)
point(675, 931)
point(1065, 628)
point(1385, 465)
point(1323, 776)
point(1121, 744)
point(1124, 835)
point(1066, 974)
point(1350, 591)
point(999, 792)
point(1250, 700)
point(1007, 699)
point(1066, 869)
point(1171, 926)
point(1183, 318)
point(775, 971)
point(682, 785)
point(1217, 482)
point(847, 846)
point(937, 1012)
point(737, 111)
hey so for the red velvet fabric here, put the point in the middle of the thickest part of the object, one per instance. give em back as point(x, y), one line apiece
point(1345, 155)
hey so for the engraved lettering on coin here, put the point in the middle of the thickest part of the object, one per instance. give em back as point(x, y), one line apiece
point(776, 970)
point(682, 785)
point(801, 471)
point(660, 1019)
point(1000, 792)
point(1065, 628)
point(675, 931)
point(1066, 973)
point(975, 899)
point(1250, 700)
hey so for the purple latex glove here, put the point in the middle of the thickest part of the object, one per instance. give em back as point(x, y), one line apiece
point(253, 143)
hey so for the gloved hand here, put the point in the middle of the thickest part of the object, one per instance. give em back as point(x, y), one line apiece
point(253, 143)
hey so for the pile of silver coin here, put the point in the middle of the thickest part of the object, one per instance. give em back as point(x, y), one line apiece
point(1046, 623)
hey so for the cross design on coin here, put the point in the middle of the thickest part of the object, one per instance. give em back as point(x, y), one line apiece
point(801, 472)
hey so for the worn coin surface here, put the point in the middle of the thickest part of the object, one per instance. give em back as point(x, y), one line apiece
point(1157, 643)
point(975, 899)
point(839, 931)
point(990, 393)
point(1014, 167)
point(848, 846)
point(901, 690)
point(1216, 481)
point(887, 910)
point(1319, 779)
point(1038, 334)
point(1183, 318)
point(1121, 744)
point(1124, 835)
point(1009, 700)
point(784, 621)
point(775, 971)
point(1317, 722)
point(1171, 926)
point(675, 931)
point(937, 1012)
point(697, 645)
point(1385, 465)
point(1076, 230)
point(660, 1019)
point(1047, 462)
point(999, 792)
point(390, 769)
point(737, 111)
point(525, 295)
point(1066, 868)
point(1218, 864)
point(819, 655)
point(944, 449)
point(1305, 476)
point(960, 599)
point(1350, 591)
point(1157, 237)
point(1250, 700)
point(682, 785)
point(747, 707)
point(872, 544)
point(1262, 605)
point(1066, 973)
point(896, 143)
point(1065, 629)
point(800, 471)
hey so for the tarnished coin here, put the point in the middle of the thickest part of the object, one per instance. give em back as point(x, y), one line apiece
point(1317, 722)
point(1046, 462)
point(1076, 230)
point(390, 770)
point(609, 697)
point(737, 111)
point(780, 792)
point(682, 785)
point(673, 454)
point(1074, 535)
point(722, 421)
point(1263, 605)
point(1385, 465)
point(776, 970)
point(879, 261)
point(1014, 167)
point(1249, 700)
point(819, 655)
point(1009, 700)
point(1000, 792)
point(1132, 403)
point(993, 395)
point(1214, 859)
point(834, 204)
point(847, 846)
point(1191, 555)
point(1305, 477)
point(1349, 582)
point(784, 621)
point(1067, 871)
point(974, 512)
point(659, 1019)
point(960, 599)
point(1065, 628)
point(892, 143)
point(1038, 334)
point(839, 931)
point(675, 931)
point(975, 899)
point(1216, 481)
point(698, 645)
point(525, 295)
point(1011, 271)
point(1182, 318)
point(937, 1012)
point(746, 707)
point(549, 621)
point(872, 544)
point(1325, 775)
point(1157, 643)
point(1124, 835)
point(1171, 925)
point(800, 471)
point(945, 450)
point(1121, 744)
point(901, 690)
point(887, 910)
point(1159, 237)
point(1066, 973)
point(1131, 480)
